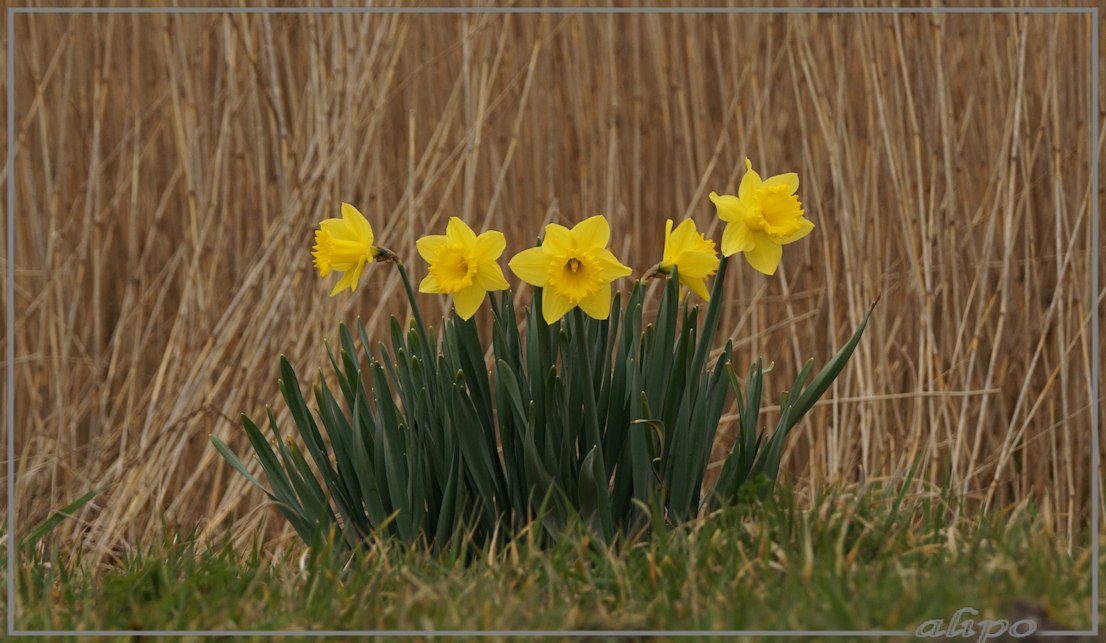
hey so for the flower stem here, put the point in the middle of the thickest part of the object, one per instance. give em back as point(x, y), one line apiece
point(419, 325)
point(591, 415)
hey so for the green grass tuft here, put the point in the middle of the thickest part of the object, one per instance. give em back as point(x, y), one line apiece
point(843, 563)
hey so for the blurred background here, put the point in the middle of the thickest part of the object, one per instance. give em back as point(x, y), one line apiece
point(170, 170)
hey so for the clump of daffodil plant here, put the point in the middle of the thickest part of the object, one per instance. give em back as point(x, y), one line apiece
point(591, 412)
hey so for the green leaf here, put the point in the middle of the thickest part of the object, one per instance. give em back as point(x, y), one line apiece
point(476, 373)
point(394, 460)
point(594, 498)
point(283, 495)
point(508, 382)
point(828, 374)
point(363, 462)
point(40, 531)
point(659, 362)
point(481, 463)
point(290, 388)
point(447, 515)
point(237, 464)
point(278, 479)
point(299, 474)
point(344, 486)
point(710, 322)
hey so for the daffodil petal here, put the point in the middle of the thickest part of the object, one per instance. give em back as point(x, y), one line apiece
point(765, 256)
point(458, 232)
point(532, 266)
point(697, 265)
point(340, 230)
point(343, 266)
point(609, 265)
point(593, 232)
point(357, 273)
point(557, 239)
point(490, 244)
point(357, 222)
point(682, 238)
point(553, 306)
point(489, 276)
point(750, 183)
point(729, 207)
point(737, 237)
point(791, 180)
point(430, 284)
point(697, 286)
point(349, 278)
point(340, 286)
point(805, 226)
point(668, 254)
point(598, 306)
point(467, 300)
point(428, 245)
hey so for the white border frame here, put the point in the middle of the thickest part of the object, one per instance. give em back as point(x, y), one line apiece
point(1093, 12)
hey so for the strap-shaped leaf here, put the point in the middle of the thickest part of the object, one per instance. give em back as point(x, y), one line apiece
point(447, 514)
point(595, 501)
point(749, 438)
point(511, 425)
point(282, 492)
point(607, 357)
point(344, 485)
point(290, 389)
point(300, 475)
point(363, 460)
point(39, 532)
point(476, 373)
point(481, 464)
point(278, 479)
point(659, 361)
point(586, 387)
point(237, 464)
point(828, 374)
point(710, 322)
point(391, 442)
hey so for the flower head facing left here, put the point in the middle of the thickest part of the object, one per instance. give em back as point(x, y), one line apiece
point(573, 268)
point(345, 245)
point(763, 217)
point(463, 264)
point(692, 254)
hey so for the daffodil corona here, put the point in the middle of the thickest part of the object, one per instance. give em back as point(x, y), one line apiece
point(463, 264)
point(764, 216)
point(693, 255)
point(345, 245)
point(573, 268)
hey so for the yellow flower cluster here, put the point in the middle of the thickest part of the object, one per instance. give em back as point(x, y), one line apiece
point(573, 266)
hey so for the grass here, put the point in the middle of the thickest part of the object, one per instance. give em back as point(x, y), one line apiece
point(860, 559)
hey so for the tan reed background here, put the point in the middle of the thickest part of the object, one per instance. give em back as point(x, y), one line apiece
point(170, 170)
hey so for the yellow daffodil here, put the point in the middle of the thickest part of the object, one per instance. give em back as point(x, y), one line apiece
point(463, 264)
point(345, 245)
point(763, 216)
point(573, 268)
point(692, 254)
